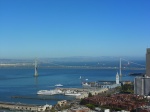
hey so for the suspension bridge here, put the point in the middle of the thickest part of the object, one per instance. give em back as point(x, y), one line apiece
point(124, 64)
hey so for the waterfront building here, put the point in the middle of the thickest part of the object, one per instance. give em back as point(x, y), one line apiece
point(148, 62)
point(117, 78)
point(110, 84)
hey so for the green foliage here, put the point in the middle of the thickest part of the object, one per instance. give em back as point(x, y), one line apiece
point(104, 107)
point(118, 88)
point(108, 95)
point(127, 88)
point(89, 95)
point(83, 102)
point(91, 106)
point(53, 109)
point(111, 108)
point(117, 109)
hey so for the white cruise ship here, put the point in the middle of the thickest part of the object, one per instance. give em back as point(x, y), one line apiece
point(72, 93)
point(49, 92)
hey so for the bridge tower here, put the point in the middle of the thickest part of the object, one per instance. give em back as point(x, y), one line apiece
point(35, 67)
point(120, 74)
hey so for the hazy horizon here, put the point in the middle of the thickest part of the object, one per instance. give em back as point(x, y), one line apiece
point(76, 58)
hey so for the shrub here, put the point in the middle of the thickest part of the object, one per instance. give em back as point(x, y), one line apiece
point(91, 106)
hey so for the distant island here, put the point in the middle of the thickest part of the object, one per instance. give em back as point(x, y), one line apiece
point(137, 74)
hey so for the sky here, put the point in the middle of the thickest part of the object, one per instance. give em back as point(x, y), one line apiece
point(66, 28)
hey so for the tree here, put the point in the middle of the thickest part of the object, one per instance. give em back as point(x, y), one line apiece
point(91, 106)
point(90, 95)
point(127, 88)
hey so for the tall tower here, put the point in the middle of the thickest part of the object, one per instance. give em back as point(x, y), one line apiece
point(148, 62)
point(120, 70)
point(142, 84)
point(117, 78)
point(35, 73)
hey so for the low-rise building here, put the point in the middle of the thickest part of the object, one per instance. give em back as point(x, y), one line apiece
point(62, 103)
point(79, 109)
point(123, 101)
point(44, 108)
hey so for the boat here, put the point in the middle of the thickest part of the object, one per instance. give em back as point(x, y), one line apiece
point(86, 85)
point(72, 93)
point(49, 92)
point(58, 85)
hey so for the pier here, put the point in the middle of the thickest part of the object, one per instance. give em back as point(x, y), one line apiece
point(75, 89)
point(42, 97)
point(18, 106)
point(24, 107)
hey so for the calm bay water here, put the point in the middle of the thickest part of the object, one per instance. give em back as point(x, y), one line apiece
point(21, 82)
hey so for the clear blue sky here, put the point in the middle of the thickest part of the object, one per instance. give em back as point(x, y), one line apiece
point(64, 28)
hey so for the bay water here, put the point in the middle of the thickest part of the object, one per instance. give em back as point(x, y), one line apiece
point(20, 81)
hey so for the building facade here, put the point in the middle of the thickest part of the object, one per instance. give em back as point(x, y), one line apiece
point(142, 86)
point(148, 62)
point(110, 84)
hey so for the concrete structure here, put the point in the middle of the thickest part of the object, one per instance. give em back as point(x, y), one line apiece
point(79, 109)
point(138, 86)
point(62, 103)
point(148, 62)
point(106, 110)
point(24, 107)
point(142, 84)
point(44, 108)
point(93, 92)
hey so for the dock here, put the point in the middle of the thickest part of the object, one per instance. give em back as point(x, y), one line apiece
point(23, 107)
point(85, 92)
point(18, 106)
point(75, 89)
